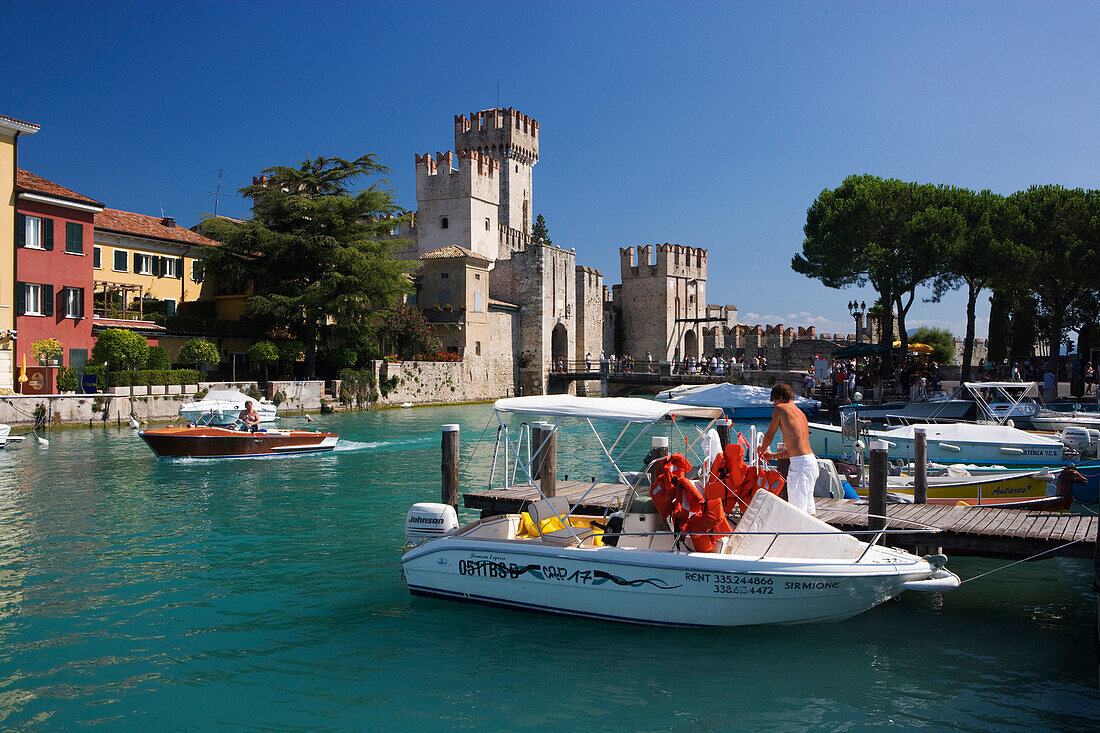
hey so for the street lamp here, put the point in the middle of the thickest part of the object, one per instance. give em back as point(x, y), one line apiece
point(857, 310)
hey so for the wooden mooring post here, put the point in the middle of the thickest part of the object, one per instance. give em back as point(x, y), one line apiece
point(920, 466)
point(876, 486)
point(658, 449)
point(724, 427)
point(449, 446)
point(545, 441)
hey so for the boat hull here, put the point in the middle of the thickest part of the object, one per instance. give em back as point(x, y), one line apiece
point(1000, 489)
point(213, 442)
point(653, 587)
point(825, 440)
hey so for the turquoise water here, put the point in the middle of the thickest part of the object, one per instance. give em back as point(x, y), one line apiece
point(140, 594)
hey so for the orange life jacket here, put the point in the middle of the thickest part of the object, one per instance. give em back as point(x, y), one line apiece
point(688, 510)
point(739, 481)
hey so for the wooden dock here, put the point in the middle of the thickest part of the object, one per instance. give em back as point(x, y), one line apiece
point(981, 531)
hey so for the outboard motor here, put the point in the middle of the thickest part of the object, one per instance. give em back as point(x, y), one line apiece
point(426, 521)
point(1076, 439)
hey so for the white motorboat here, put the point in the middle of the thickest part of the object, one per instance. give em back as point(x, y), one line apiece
point(956, 443)
point(6, 438)
point(779, 565)
point(740, 401)
point(223, 406)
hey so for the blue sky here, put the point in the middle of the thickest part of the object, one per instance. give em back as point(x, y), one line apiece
point(707, 124)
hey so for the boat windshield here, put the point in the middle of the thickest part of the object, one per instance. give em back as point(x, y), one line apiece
point(523, 443)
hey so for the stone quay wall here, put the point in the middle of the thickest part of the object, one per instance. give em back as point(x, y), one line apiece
point(148, 404)
point(440, 382)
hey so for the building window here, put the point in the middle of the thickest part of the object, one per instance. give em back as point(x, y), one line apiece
point(443, 223)
point(477, 348)
point(145, 264)
point(477, 302)
point(74, 302)
point(486, 223)
point(120, 260)
point(97, 258)
point(33, 299)
point(477, 276)
point(33, 232)
point(444, 275)
point(169, 267)
point(443, 297)
point(169, 307)
point(196, 271)
point(78, 358)
point(74, 238)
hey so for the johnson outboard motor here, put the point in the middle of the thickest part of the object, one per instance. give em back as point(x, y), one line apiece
point(1076, 439)
point(426, 521)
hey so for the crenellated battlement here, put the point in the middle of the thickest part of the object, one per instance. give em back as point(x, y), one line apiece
point(479, 163)
point(501, 133)
point(670, 260)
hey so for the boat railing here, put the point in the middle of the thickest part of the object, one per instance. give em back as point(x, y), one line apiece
point(878, 534)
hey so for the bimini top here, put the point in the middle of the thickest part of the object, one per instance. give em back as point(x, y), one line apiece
point(623, 409)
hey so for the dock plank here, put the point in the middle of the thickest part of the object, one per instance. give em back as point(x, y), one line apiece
point(983, 531)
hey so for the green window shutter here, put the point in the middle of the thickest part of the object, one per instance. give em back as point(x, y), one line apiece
point(47, 233)
point(20, 298)
point(179, 267)
point(137, 262)
point(20, 230)
point(97, 257)
point(47, 300)
point(74, 238)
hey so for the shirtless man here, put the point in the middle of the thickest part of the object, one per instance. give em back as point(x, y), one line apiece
point(249, 417)
point(803, 471)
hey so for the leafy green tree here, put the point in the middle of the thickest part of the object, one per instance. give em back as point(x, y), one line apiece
point(263, 353)
point(941, 340)
point(313, 252)
point(199, 351)
point(406, 331)
point(979, 258)
point(540, 230)
point(158, 358)
point(885, 232)
point(120, 349)
point(1059, 231)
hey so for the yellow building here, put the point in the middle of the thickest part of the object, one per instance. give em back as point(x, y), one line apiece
point(10, 130)
point(137, 257)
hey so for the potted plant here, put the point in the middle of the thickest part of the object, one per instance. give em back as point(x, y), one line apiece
point(47, 350)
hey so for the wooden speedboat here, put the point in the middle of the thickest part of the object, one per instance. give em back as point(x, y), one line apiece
point(206, 441)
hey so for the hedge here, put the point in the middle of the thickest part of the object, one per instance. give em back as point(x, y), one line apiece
point(145, 377)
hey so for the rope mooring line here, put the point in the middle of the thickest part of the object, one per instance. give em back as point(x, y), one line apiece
point(1026, 559)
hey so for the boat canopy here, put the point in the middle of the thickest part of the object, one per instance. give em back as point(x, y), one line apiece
point(729, 396)
point(999, 385)
point(622, 409)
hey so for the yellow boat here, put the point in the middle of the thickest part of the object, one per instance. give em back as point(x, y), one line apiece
point(987, 489)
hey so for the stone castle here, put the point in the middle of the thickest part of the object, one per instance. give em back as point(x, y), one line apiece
point(512, 307)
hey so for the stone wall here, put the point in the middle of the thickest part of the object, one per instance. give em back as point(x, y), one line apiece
point(433, 382)
point(148, 404)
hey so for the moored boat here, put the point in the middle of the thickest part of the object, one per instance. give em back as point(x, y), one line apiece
point(210, 441)
point(740, 401)
point(779, 565)
point(1000, 488)
point(224, 406)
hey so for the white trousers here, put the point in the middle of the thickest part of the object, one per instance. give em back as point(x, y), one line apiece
point(801, 478)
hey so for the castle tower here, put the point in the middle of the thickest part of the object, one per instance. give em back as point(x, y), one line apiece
point(512, 139)
point(457, 205)
point(663, 297)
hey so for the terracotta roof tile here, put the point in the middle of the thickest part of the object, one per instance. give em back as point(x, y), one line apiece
point(140, 225)
point(29, 182)
point(452, 251)
point(5, 118)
